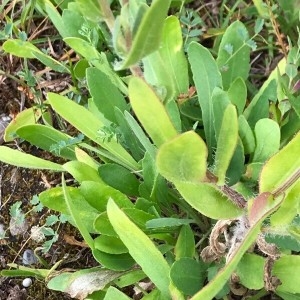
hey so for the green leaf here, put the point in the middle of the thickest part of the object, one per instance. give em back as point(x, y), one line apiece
point(120, 178)
point(26, 117)
point(130, 278)
point(153, 264)
point(183, 158)
point(250, 271)
point(46, 137)
point(208, 200)
point(113, 294)
point(75, 213)
point(20, 159)
point(99, 60)
point(281, 167)
point(235, 64)
point(188, 275)
point(110, 244)
point(206, 77)
point(50, 62)
point(288, 209)
point(267, 135)
point(167, 66)
point(148, 36)
point(81, 283)
point(55, 18)
point(54, 199)
point(246, 135)
point(90, 9)
point(227, 142)
point(287, 269)
point(150, 111)
point(25, 271)
point(115, 262)
point(77, 116)
point(103, 225)
point(237, 93)
point(185, 245)
point(20, 48)
point(167, 222)
point(105, 94)
point(97, 195)
point(81, 171)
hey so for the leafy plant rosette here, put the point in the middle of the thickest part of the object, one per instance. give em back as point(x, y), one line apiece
point(159, 174)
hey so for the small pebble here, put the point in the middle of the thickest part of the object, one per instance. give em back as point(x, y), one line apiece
point(29, 258)
point(27, 282)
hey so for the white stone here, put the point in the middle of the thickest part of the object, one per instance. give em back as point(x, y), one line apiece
point(27, 282)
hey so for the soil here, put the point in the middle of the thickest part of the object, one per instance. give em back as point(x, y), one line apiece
point(18, 184)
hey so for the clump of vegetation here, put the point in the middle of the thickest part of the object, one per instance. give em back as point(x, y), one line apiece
point(186, 173)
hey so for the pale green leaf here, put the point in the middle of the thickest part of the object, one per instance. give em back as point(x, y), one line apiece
point(89, 125)
point(183, 158)
point(151, 260)
point(267, 135)
point(25, 117)
point(148, 36)
point(150, 111)
point(21, 159)
point(227, 142)
point(208, 200)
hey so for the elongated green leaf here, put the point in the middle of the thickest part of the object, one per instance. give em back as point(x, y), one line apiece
point(220, 101)
point(50, 62)
point(153, 264)
point(208, 200)
point(46, 138)
point(267, 134)
point(183, 158)
point(281, 167)
point(234, 54)
point(246, 135)
point(25, 117)
point(20, 159)
point(227, 141)
point(105, 94)
point(89, 125)
point(55, 17)
point(168, 66)
point(20, 48)
point(206, 77)
point(73, 210)
point(150, 111)
point(216, 284)
point(81, 171)
point(185, 245)
point(238, 94)
point(149, 33)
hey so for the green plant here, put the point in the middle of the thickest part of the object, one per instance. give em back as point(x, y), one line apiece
point(153, 185)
